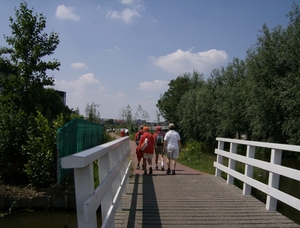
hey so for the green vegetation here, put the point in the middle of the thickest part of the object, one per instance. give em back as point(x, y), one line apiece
point(258, 96)
point(30, 111)
point(195, 157)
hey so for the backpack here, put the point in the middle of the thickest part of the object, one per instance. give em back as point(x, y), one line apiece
point(138, 138)
point(159, 139)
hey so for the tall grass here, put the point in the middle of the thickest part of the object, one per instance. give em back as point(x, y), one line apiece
point(196, 156)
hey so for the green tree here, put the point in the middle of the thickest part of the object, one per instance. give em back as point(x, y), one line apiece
point(22, 64)
point(168, 102)
point(233, 121)
point(273, 73)
point(13, 130)
point(40, 151)
point(289, 82)
point(24, 94)
point(92, 113)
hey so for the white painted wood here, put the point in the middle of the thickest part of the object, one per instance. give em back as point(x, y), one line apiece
point(282, 170)
point(231, 163)
point(248, 170)
point(274, 168)
point(274, 177)
point(286, 147)
point(113, 168)
point(219, 158)
point(84, 187)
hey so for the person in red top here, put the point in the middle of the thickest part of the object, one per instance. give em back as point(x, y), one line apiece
point(159, 147)
point(148, 151)
point(139, 153)
point(122, 133)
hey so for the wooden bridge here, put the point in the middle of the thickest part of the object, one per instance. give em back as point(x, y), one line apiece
point(191, 199)
point(187, 199)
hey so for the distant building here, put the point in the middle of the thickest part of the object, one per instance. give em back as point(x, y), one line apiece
point(63, 96)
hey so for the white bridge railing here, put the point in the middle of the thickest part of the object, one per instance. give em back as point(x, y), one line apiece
point(274, 168)
point(113, 168)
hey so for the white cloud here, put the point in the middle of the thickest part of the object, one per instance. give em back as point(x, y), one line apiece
point(82, 91)
point(156, 85)
point(126, 15)
point(64, 12)
point(113, 49)
point(181, 62)
point(127, 2)
point(78, 66)
point(87, 89)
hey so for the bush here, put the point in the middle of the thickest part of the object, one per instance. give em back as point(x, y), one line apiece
point(41, 151)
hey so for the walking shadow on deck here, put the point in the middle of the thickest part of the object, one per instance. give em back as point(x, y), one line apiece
point(148, 211)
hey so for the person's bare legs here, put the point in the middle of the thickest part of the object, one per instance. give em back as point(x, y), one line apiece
point(156, 160)
point(169, 163)
point(150, 162)
point(161, 161)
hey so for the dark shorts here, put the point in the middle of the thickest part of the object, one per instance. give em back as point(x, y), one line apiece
point(159, 150)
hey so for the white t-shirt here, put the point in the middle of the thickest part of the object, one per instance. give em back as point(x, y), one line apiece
point(172, 138)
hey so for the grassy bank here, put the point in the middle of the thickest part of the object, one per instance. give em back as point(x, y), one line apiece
point(195, 156)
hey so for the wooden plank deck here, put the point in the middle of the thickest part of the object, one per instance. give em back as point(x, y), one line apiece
point(191, 199)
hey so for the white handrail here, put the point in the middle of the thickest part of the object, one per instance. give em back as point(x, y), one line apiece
point(113, 167)
point(274, 168)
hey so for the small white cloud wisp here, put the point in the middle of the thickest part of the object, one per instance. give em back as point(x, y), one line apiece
point(126, 15)
point(78, 66)
point(156, 85)
point(65, 13)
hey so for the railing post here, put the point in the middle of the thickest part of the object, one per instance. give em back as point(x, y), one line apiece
point(249, 170)
point(231, 163)
point(271, 203)
point(84, 187)
point(105, 166)
point(219, 158)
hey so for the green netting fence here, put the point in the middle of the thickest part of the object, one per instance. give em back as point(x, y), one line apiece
point(74, 137)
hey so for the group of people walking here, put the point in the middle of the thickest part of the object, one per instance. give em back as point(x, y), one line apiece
point(161, 144)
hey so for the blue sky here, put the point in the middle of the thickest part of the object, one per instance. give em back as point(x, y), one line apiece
point(125, 52)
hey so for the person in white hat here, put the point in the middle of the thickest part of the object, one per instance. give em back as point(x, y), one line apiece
point(172, 146)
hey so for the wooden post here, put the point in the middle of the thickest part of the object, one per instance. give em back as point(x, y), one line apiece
point(219, 158)
point(249, 170)
point(105, 166)
point(271, 203)
point(84, 187)
point(231, 163)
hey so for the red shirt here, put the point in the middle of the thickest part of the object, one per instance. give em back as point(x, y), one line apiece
point(122, 133)
point(150, 148)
